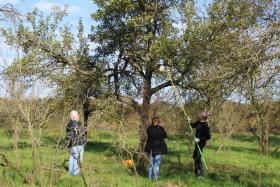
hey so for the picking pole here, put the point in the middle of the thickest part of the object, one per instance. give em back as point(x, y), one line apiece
point(186, 115)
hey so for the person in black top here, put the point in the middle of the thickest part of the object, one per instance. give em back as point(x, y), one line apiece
point(201, 136)
point(155, 146)
point(76, 134)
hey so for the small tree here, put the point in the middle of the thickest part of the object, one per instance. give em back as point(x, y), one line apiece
point(226, 119)
point(49, 50)
point(261, 92)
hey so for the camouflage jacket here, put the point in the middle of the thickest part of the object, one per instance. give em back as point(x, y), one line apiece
point(76, 133)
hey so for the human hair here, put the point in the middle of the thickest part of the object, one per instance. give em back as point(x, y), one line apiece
point(73, 114)
point(203, 116)
point(155, 118)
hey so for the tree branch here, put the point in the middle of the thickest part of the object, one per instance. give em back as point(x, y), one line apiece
point(164, 85)
point(59, 58)
point(131, 102)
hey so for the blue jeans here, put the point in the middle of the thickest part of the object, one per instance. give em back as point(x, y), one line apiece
point(154, 167)
point(76, 152)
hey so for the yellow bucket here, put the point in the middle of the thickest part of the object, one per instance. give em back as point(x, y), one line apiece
point(128, 163)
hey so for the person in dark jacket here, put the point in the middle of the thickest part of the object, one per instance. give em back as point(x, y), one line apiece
point(201, 136)
point(155, 146)
point(77, 139)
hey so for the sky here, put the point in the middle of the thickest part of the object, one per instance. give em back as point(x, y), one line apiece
point(77, 8)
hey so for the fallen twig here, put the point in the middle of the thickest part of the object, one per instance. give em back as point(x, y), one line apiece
point(9, 164)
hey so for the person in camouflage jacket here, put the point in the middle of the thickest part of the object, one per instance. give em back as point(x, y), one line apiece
point(76, 134)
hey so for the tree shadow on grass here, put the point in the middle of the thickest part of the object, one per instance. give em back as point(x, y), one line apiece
point(244, 138)
point(47, 140)
point(236, 149)
point(223, 177)
point(249, 177)
point(220, 175)
point(20, 145)
point(100, 147)
point(180, 137)
point(174, 168)
point(274, 140)
point(275, 154)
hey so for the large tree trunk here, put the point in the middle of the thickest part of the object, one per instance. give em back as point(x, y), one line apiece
point(263, 134)
point(144, 122)
point(262, 125)
point(144, 119)
point(263, 141)
point(87, 109)
point(86, 116)
point(86, 113)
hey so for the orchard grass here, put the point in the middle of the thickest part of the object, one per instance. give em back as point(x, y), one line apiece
point(239, 163)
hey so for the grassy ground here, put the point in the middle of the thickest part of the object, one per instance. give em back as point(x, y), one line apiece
point(239, 165)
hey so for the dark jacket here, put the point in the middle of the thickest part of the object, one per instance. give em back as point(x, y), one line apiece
point(202, 131)
point(76, 133)
point(155, 143)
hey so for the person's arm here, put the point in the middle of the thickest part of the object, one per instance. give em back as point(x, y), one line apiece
point(82, 135)
point(70, 131)
point(164, 134)
point(148, 132)
point(208, 134)
point(194, 125)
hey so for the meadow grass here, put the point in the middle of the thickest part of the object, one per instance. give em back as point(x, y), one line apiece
point(240, 164)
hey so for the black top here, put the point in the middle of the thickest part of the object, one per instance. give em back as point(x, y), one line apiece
point(155, 143)
point(202, 131)
point(76, 133)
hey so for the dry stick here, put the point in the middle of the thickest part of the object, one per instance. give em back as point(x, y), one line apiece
point(8, 163)
point(227, 137)
point(178, 157)
point(135, 152)
point(123, 146)
point(140, 153)
point(80, 164)
point(276, 149)
point(52, 166)
point(81, 171)
point(185, 113)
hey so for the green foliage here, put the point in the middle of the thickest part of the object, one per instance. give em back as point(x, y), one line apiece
point(135, 38)
point(223, 44)
point(48, 50)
